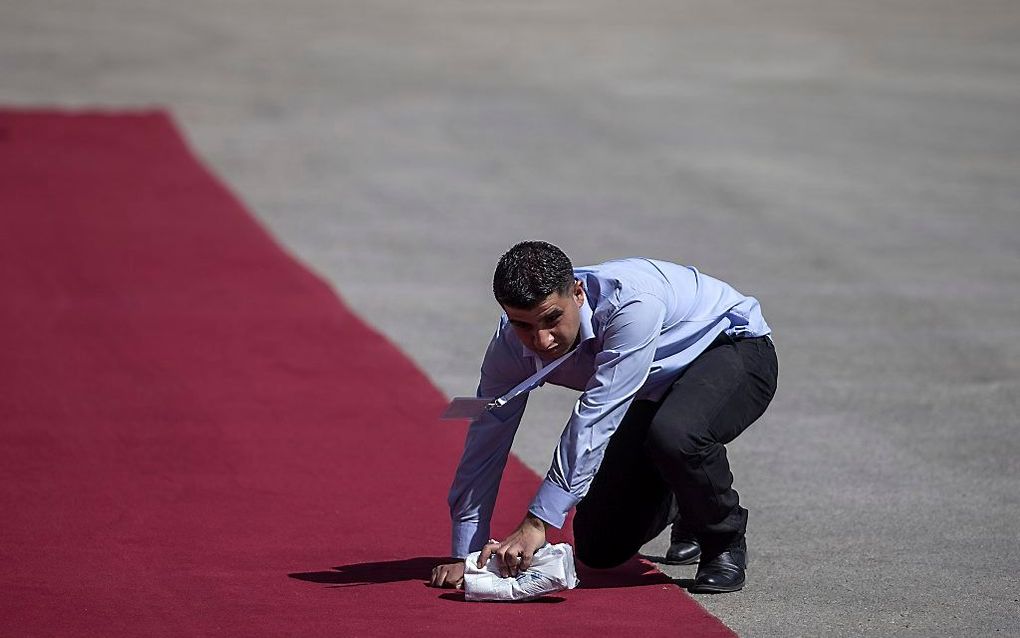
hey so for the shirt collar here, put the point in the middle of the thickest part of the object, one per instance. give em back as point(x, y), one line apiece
point(587, 330)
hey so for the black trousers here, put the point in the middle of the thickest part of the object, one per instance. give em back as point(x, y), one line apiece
point(669, 456)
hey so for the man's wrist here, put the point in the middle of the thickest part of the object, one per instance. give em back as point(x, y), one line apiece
point(552, 503)
point(536, 522)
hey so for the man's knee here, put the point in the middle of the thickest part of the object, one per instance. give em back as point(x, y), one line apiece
point(600, 555)
point(595, 546)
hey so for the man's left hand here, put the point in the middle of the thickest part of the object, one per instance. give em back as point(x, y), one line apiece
point(517, 550)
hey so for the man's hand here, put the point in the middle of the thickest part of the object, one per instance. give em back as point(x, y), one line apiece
point(517, 550)
point(448, 575)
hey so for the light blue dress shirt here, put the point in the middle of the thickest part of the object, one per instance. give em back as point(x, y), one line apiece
point(643, 322)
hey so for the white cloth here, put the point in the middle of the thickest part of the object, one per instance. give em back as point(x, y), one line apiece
point(552, 570)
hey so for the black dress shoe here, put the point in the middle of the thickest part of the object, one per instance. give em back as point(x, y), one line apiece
point(722, 573)
point(683, 546)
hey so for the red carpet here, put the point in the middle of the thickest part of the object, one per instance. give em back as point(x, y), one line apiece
point(197, 438)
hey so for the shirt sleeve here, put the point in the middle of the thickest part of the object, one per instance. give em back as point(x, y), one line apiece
point(621, 368)
point(486, 448)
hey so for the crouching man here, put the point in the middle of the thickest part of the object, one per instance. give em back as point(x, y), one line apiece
point(672, 365)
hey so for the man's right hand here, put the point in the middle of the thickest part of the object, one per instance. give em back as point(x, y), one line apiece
point(448, 575)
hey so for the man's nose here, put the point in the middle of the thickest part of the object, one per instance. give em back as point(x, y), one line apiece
point(543, 339)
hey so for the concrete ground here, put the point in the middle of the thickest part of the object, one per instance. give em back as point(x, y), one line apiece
point(856, 166)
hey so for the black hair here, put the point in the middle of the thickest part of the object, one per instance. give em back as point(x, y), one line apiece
point(529, 272)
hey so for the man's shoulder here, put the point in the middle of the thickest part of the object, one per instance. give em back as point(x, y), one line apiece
point(504, 342)
point(620, 279)
point(506, 359)
point(627, 268)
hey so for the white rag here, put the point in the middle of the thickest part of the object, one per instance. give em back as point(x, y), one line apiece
point(552, 570)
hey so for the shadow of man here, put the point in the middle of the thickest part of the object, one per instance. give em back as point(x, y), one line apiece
point(391, 571)
point(633, 573)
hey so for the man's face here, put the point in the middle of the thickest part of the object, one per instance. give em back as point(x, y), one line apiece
point(552, 327)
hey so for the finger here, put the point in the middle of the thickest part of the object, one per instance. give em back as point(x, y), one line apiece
point(486, 552)
point(525, 563)
point(436, 579)
point(513, 563)
point(504, 565)
point(448, 578)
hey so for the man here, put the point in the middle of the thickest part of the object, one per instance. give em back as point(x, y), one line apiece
point(672, 365)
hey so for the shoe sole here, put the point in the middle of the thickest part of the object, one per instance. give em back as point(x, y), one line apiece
point(689, 561)
point(694, 589)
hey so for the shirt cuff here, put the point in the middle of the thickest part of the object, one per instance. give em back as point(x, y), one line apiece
point(465, 537)
point(552, 503)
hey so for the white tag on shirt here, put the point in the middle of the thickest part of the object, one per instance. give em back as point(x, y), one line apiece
point(466, 408)
point(472, 408)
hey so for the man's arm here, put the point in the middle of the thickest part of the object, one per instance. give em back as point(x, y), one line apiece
point(622, 367)
point(486, 448)
point(476, 483)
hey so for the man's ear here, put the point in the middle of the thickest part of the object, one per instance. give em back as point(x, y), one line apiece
point(578, 293)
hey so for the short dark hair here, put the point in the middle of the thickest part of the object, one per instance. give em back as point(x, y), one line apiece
point(529, 272)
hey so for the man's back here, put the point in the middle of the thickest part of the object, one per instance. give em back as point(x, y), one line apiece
point(674, 308)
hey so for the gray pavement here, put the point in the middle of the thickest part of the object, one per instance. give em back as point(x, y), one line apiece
point(856, 166)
